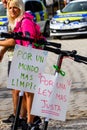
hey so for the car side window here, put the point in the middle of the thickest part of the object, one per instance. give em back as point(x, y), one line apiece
point(33, 6)
point(2, 10)
point(84, 6)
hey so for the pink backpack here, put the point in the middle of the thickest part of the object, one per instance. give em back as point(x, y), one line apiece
point(38, 37)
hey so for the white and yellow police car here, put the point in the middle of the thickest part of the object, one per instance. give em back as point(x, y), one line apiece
point(71, 20)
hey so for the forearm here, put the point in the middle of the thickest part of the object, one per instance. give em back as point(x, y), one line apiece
point(7, 43)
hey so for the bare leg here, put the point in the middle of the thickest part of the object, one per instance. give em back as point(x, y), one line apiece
point(23, 112)
point(29, 100)
point(15, 96)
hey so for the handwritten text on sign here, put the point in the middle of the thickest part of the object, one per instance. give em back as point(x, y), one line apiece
point(26, 64)
point(51, 97)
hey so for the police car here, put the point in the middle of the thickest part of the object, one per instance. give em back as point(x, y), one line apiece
point(71, 20)
point(36, 8)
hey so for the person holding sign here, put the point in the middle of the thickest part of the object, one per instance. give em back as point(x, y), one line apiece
point(20, 21)
point(3, 50)
point(11, 118)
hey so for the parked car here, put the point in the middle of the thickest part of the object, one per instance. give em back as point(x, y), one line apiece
point(71, 20)
point(36, 8)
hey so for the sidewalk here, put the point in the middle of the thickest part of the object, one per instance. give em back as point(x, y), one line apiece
point(77, 109)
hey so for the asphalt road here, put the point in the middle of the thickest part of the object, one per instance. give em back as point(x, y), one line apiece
point(76, 117)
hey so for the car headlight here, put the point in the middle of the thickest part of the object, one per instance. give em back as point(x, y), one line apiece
point(53, 21)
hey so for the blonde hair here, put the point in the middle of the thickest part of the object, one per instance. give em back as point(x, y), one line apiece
point(19, 4)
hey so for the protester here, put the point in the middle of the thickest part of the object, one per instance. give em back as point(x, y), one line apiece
point(18, 21)
point(3, 50)
point(11, 118)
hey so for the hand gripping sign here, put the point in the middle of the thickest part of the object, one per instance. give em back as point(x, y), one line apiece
point(26, 64)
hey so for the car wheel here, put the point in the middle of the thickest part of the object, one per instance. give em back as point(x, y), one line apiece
point(47, 30)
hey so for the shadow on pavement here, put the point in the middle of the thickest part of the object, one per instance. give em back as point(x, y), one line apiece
point(5, 93)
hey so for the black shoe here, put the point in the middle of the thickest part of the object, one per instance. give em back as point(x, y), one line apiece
point(10, 119)
point(20, 122)
point(24, 126)
point(37, 120)
point(35, 126)
point(28, 127)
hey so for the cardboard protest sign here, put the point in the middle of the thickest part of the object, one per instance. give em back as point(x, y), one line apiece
point(26, 64)
point(51, 97)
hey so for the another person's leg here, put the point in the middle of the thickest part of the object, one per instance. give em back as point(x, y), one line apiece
point(29, 100)
point(31, 119)
point(23, 112)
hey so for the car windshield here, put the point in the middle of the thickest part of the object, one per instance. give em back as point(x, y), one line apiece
point(75, 7)
point(2, 10)
point(33, 6)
